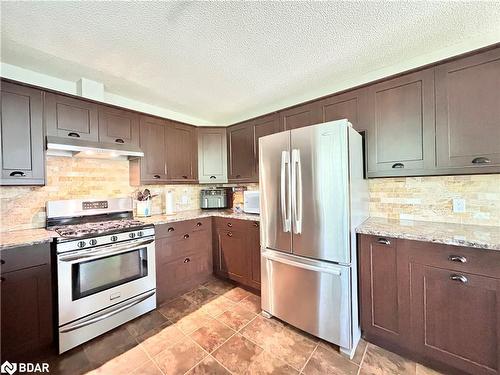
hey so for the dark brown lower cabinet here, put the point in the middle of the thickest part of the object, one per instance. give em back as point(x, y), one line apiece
point(437, 304)
point(237, 251)
point(183, 257)
point(26, 302)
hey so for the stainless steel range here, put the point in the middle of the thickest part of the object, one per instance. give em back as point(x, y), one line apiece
point(105, 267)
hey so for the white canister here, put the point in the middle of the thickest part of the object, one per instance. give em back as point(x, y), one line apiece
point(169, 203)
point(143, 208)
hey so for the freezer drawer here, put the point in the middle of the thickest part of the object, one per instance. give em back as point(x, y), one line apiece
point(311, 295)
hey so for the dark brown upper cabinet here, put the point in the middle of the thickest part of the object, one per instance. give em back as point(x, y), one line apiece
point(70, 117)
point(468, 114)
point(401, 130)
point(118, 126)
point(263, 126)
point(241, 152)
point(298, 117)
point(21, 140)
point(182, 153)
point(152, 167)
point(350, 105)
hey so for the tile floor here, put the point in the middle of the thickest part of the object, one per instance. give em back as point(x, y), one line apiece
point(217, 329)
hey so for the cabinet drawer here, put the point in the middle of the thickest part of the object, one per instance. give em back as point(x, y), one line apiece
point(169, 248)
point(231, 224)
point(24, 257)
point(456, 258)
point(180, 228)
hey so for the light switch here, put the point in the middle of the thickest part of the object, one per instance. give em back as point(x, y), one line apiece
point(458, 205)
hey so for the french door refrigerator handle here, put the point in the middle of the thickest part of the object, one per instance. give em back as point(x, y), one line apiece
point(310, 267)
point(285, 204)
point(296, 191)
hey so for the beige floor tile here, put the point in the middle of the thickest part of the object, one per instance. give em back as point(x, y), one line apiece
point(200, 295)
point(423, 370)
point(108, 346)
point(193, 321)
point(237, 294)
point(145, 323)
point(209, 366)
point(149, 368)
point(180, 358)
point(236, 318)
point(217, 306)
point(124, 363)
point(358, 355)
point(265, 363)
point(251, 303)
point(177, 308)
point(219, 286)
point(378, 361)
point(325, 361)
point(161, 338)
point(237, 354)
point(212, 335)
point(288, 345)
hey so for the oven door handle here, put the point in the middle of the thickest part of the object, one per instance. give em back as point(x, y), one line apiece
point(100, 317)
point(103, 252)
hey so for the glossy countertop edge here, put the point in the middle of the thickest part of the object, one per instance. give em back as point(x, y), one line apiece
point(26, 237)
point(476, 236)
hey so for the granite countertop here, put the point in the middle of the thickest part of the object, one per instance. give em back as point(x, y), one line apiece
point(27, 237)
point(478, 236)
point(197, 214)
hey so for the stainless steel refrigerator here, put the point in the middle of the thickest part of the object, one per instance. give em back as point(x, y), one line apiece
point(312, 196)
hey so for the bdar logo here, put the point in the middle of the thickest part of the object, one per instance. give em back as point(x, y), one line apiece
point(8, 368)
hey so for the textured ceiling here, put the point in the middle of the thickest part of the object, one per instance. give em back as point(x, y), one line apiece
point(226, 61)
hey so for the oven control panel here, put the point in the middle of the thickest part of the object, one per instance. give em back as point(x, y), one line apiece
point(83, 244)
point(94, 205)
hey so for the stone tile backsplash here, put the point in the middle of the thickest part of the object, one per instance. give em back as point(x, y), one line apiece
point(417, 198)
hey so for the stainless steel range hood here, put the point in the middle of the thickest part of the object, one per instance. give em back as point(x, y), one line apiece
point(80, 148)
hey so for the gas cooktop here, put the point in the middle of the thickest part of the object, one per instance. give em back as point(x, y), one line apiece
point(99, 227)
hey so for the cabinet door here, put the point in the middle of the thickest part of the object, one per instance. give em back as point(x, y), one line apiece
point(468, 113)
point(182, 153)
point(298, 117)
point(263, 126)
point(385, 314)
point(26, 321)
point(254, 254)
point(152, 141)
point(233, 255)
point(351, 105)
point(240, 143)
point(401, 127)
point(212, 155)
point(21, 138)
point(70, 117)
point(456, 318)
point(118, 126)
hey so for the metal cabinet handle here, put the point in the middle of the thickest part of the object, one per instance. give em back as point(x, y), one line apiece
point(481, 160)
point(185, 177)
point(213, 177)
point(170, 229)
point(256, 225)
point(238, 176)
point(460, 278)
point(119, 140)
point(230, 225)
point(2, 261)
point(398, 165)
point(384, 241)
point(76, 135)
point(199, 224)
point(229, 234)
point(187, 260)
point(186, 236)
point(17, 173)
point(2, 279)
point(156, 176)
point(457, 258)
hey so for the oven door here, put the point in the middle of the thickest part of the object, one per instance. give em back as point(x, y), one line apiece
point(94, 279)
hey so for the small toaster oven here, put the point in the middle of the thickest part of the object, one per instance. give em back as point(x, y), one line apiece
point(214, 198)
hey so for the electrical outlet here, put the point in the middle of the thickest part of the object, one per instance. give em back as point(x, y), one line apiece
point(458, 205)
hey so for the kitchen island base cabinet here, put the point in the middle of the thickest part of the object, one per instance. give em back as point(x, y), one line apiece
point(26, 303)
point(437, 304)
